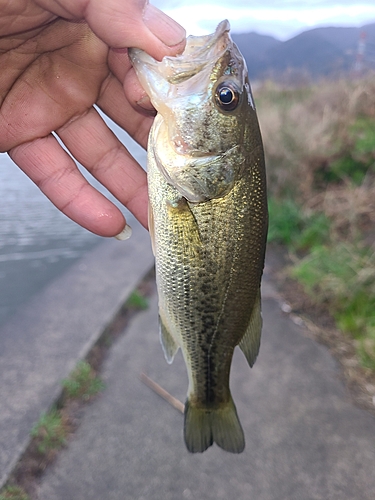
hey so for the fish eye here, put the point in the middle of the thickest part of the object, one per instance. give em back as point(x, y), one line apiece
point(227, 96)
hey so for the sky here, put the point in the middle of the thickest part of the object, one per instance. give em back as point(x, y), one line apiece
point(282, 19)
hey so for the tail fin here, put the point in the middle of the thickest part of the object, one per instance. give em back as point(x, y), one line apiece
point(204, 426)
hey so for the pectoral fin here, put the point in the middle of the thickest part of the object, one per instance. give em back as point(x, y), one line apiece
point(190, 239)
point(251, 340)
point(168, 343)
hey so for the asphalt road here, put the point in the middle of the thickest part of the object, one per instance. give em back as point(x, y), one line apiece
point(305, 439)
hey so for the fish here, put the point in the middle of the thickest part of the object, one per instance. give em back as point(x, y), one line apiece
point(208, 223)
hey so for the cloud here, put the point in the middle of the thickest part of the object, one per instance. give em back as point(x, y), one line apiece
point(279, 18)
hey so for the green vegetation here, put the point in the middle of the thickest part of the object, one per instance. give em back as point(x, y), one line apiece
point(83, 382)
point(319, 134)
point(343, 278)
point(137, 301)
point(358, 158)
point(291, 226)
point(320, 151)
point(13, 493)
point(49, 432)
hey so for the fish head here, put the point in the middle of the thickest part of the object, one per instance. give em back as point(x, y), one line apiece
point(204, 105)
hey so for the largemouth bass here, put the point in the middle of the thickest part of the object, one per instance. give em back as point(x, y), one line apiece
point(208, 223)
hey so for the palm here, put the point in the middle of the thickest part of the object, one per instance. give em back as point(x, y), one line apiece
point(58, 77)
point(52, 73)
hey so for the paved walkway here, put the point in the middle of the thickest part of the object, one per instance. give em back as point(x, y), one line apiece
point(42, 344)
point(305, 440)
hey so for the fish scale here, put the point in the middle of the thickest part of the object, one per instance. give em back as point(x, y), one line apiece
point(208, 222)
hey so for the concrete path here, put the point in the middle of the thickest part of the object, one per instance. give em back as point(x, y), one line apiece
point(305, 438)
point(42, 344)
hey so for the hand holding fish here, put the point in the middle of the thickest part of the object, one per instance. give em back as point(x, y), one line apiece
point(58, 59)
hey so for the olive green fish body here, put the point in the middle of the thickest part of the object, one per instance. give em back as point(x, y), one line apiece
point(208, 219)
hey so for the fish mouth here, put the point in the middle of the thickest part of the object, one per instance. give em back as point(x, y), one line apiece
point(199, 52)
point(200, 55)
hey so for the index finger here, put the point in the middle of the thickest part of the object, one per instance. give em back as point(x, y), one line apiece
point(96, 147)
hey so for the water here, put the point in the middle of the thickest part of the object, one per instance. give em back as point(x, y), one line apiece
point(38, 242)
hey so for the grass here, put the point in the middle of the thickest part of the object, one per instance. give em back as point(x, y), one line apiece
point(340, 275)
point(290, 225)
point(343, 278)
point(319, 142)
point(83, 382)
point(137, 301)
point(357, 158)
point(49, 432)
point(317, 134)
point(13, 493)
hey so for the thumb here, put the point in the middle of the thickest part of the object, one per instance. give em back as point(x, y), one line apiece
point(132, 24)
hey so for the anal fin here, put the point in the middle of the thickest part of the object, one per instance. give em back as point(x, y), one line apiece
point(250, 342)
point(168, 343)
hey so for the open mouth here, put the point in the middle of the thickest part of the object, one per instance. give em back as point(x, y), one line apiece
point(199, 52)
point(162, 79)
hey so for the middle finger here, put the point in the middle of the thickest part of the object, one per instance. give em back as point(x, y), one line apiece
point(96, 147)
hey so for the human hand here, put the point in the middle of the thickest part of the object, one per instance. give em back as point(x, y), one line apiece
point(58, 58)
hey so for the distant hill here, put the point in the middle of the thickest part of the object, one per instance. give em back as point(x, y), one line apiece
point(255, 48)
point(314, 53)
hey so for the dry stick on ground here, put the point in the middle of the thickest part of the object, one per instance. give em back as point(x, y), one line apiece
point(162, 393)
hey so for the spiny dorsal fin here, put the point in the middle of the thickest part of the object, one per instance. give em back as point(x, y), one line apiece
point(168, 343)
point(251, 340)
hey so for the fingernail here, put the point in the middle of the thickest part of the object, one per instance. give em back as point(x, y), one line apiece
point(125, 233)
point(162, 26)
